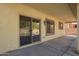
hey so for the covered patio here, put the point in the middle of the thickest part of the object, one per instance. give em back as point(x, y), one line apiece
point(54, 35)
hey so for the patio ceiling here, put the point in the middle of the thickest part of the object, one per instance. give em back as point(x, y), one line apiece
point(59, 10)
point(73, 7)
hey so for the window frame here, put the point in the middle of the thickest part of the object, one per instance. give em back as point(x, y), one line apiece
point(48, 23)
point(59, 25)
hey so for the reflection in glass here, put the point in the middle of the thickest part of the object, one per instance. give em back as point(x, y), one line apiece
point(25, 37)
point(24, 31)
point(35, 31)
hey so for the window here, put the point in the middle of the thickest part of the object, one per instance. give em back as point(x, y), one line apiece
point(49, 27)
point(60, 25)
point(75, 26)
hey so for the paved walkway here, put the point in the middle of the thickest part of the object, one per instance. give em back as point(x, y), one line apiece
point(63, 46)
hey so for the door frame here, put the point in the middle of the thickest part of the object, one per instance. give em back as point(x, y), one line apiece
point(31, 19)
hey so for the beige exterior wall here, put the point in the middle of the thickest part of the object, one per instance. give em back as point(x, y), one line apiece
point(9, 25)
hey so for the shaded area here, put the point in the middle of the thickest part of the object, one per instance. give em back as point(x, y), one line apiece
point(63, 46)
point(73, 7)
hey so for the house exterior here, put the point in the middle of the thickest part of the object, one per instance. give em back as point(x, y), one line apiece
point(22, 25)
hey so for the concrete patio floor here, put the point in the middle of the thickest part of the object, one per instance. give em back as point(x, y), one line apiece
point(63, 46)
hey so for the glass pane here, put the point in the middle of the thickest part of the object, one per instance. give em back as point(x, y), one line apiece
point(49, 27)
point(61, 25)
point(35, 31)
point(25, 26)
point(52, 28)
point(35, 28)
point(25, 37)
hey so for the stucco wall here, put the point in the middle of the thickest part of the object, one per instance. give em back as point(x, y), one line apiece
point(9, 25)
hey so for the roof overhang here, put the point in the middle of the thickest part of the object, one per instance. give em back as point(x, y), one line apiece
point(73, 7)
point(59, 10)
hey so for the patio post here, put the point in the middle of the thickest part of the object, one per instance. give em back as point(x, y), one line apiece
point(77, 44)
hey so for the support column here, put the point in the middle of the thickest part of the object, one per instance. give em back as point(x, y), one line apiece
point(77, 45)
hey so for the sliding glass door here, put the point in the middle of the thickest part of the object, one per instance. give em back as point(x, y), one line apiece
point(29, 30)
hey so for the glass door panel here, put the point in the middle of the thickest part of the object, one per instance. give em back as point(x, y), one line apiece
point(35, 30)
point(25, 36)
